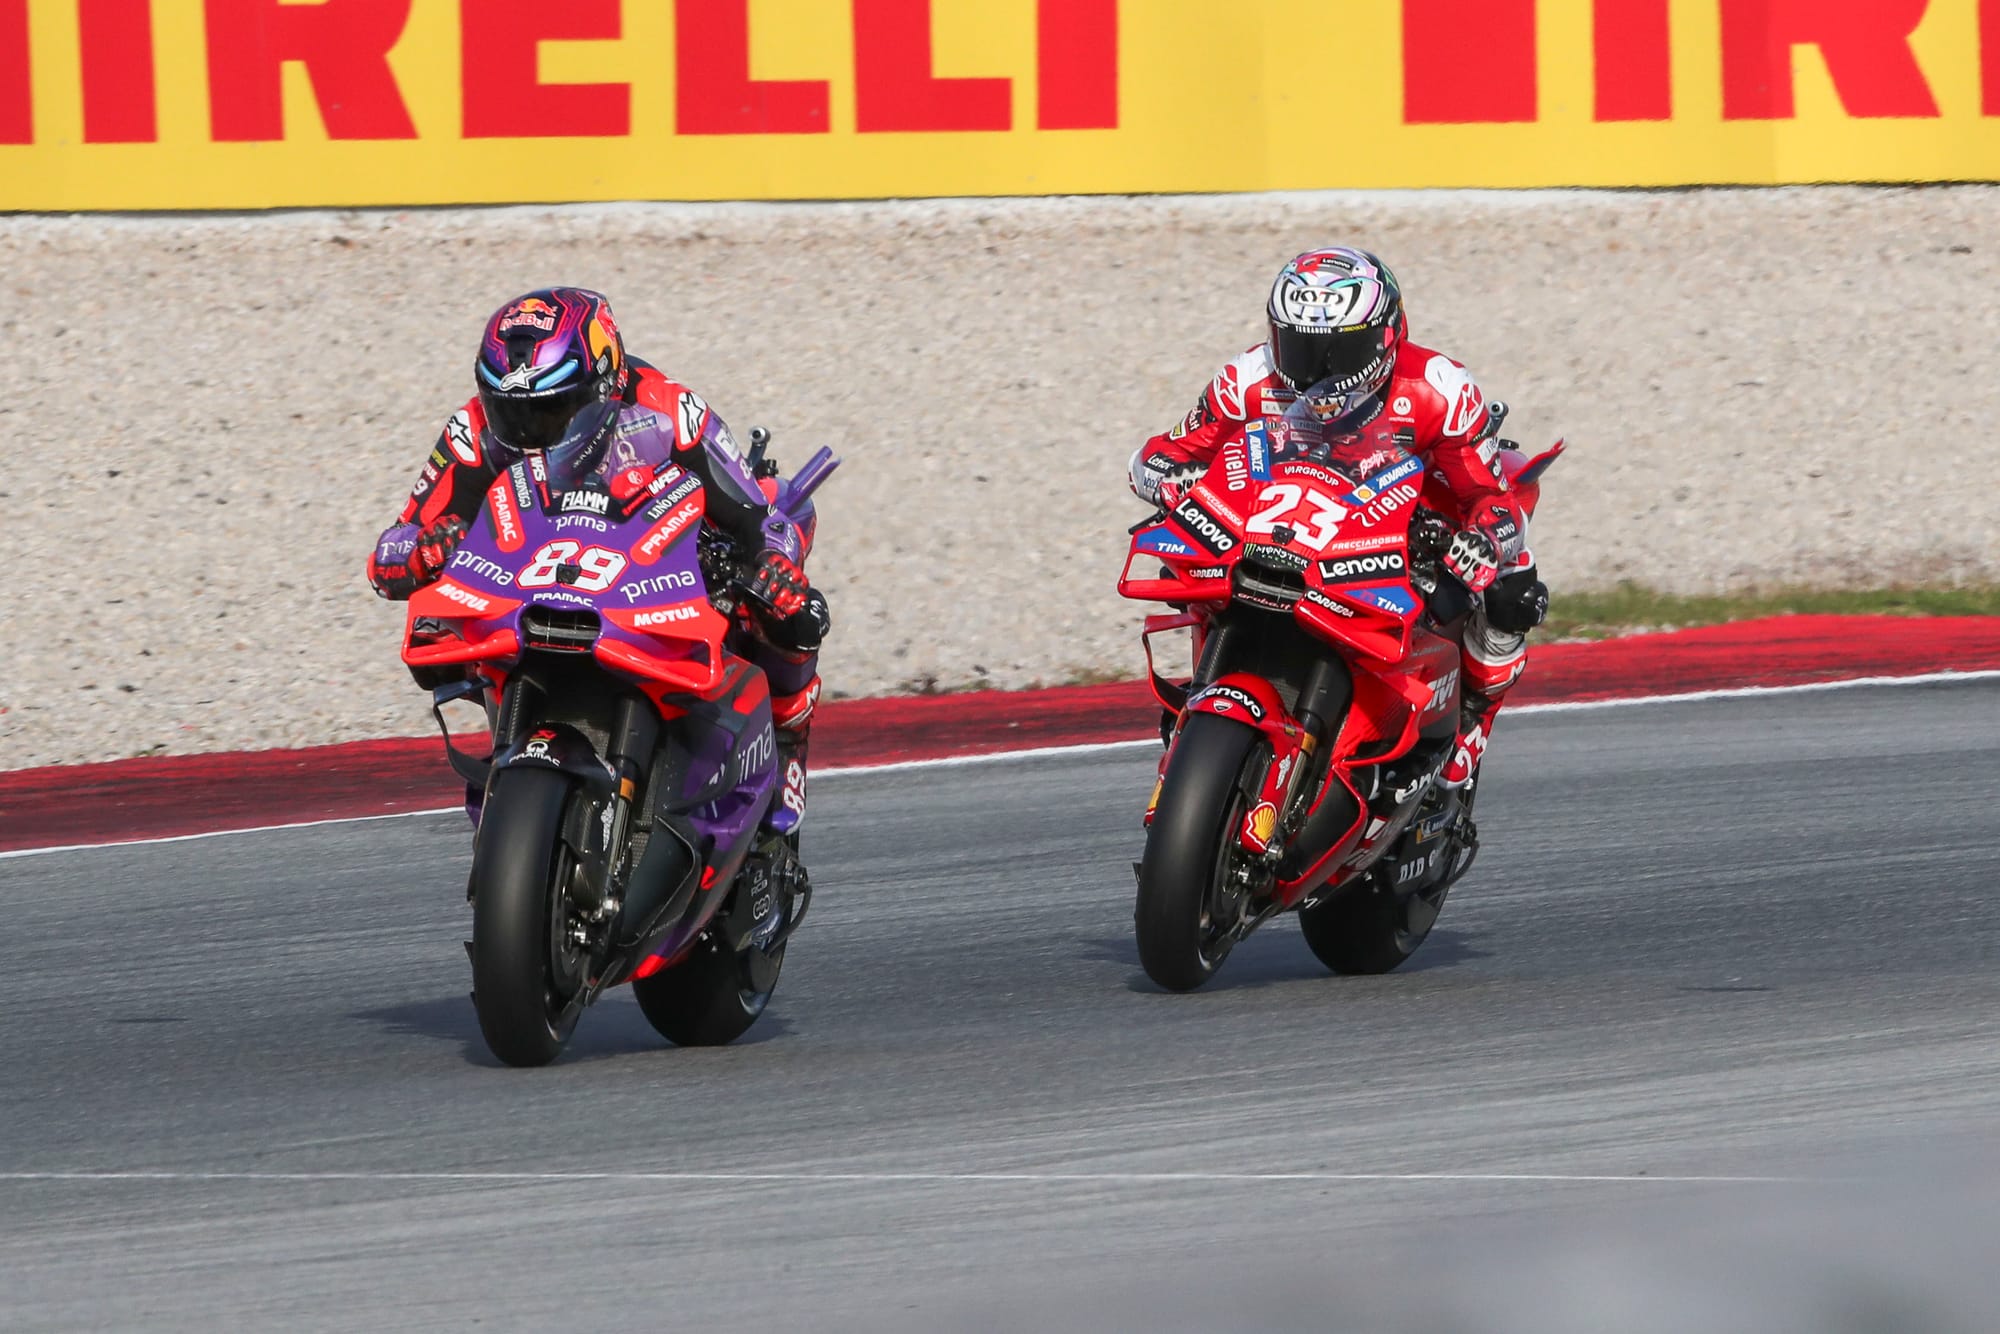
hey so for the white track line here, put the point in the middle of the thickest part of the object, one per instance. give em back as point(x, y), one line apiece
point(888, 1178)
point(1092, 748)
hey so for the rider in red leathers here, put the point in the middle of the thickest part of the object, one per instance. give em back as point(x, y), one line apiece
point(544, 358)
point(1337, 324)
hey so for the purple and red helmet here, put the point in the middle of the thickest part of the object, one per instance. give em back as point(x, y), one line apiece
point(547, 356)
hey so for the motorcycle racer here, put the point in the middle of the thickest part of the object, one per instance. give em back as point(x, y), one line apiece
point(544, 358)
point(1337, 323)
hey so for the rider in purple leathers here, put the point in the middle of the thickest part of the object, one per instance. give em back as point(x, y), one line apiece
point(546, 358)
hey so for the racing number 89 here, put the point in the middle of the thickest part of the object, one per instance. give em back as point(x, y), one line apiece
point(1288, 501)
point(600, 566)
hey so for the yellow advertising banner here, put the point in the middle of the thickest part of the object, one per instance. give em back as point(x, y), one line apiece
point(193, 104)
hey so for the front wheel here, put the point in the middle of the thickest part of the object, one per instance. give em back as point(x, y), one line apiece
point(1190, 899)
point(526, 972)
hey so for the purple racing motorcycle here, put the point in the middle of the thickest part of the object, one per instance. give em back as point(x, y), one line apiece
point(625, 832)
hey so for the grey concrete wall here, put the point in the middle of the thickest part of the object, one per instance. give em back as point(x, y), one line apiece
point(208, 418)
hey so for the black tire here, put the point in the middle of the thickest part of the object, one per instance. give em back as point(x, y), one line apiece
point(711, 997)
point(522, 988)
point(1363, 930)
point(1188, 852)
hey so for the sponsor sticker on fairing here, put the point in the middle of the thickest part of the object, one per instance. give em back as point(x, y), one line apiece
point(586, 502)
point(506, 516)
point(1163, 543)
point(1383, 481)
point(675, 615)
point(1223, 697)
point(1327, 604)
point(1360, 569)
point(678, 520)
point(473, 563)
point(668, 581)
point(1257, 449)
point(1203, 528)
point(685, 485)
point(464, 597)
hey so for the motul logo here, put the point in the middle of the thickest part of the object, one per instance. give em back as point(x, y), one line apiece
point(687, 611)
point(464, 597)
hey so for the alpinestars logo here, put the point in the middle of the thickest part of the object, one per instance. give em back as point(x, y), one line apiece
point(1206, 530)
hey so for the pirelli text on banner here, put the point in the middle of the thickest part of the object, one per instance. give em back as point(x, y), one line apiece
point(173, 104)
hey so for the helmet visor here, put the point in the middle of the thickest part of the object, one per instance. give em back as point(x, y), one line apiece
point(580, 448)
point(1350, 359)
point(533, 422)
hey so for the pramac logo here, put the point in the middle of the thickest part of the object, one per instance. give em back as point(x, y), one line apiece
point(507, 531)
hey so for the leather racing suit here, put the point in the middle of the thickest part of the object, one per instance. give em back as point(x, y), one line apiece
point(1436, 411)
point(467, 459)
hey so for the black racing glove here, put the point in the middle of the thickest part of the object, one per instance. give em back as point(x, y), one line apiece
point(1517, 603)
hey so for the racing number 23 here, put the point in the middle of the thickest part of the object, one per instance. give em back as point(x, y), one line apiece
point(1286, 500)
point(599, 566)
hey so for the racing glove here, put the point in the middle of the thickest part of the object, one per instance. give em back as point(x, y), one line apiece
point(1518, 603)
point(434, 547)
point(779, 585)
point(1473, 559)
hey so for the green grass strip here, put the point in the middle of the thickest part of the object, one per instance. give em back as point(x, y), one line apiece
point(1628, 607)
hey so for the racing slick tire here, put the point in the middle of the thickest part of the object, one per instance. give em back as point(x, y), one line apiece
point(525, 974)
point(1185, 917)
point(712, 996)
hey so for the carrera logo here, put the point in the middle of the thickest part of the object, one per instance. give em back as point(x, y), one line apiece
point(686, 611)
point(1325, 603)
point(506, 517)
point(1353, 569)
point(1206, 530)
point(655, 543)
point(464, 597)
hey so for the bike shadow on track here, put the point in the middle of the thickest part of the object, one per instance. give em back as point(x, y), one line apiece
point(612, 1028)
point(1271, 958)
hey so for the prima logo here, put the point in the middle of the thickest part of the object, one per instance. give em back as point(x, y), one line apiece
point(672, 581)
point(491, 571)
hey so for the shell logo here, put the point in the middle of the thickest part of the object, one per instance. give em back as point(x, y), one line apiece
point(1261, 824)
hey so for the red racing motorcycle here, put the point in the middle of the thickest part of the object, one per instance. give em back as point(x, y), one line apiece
point(1302, 762)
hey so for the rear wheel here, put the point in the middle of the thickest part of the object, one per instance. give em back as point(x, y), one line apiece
point(1365, 929)
point(526, 972)
point(1190, 892)
point(712, 996)
point(1369, 928)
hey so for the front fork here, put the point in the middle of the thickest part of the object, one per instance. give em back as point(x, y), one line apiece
point(1297, 738)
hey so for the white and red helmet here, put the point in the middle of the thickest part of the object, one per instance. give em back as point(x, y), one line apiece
point(1336, 322)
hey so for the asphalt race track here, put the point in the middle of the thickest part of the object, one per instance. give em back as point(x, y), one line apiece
point(1708, 944)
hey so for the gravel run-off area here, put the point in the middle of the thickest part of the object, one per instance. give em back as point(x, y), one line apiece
point(210, 417)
